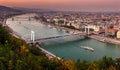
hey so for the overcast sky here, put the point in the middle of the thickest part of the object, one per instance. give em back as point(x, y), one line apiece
point(77, 5)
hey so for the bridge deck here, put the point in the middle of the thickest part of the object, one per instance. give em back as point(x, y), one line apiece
point(39, 40)
point(59, 36)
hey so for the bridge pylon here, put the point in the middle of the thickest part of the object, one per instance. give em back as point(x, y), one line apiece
point(33, 36)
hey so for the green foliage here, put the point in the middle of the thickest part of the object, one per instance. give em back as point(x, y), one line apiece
point(82, 65)
point(36, 51)
point(78, 64)
point(94, 66)
point(68, 65)
point(4, 35)
point(21, 65)
point(53, 64)
point(61, 22)
point(2, 66)
point(117, 62)
point(106, 62)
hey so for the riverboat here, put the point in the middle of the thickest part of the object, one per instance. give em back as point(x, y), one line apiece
point(88, 48)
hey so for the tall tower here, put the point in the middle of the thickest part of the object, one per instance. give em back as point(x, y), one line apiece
point(33, 36)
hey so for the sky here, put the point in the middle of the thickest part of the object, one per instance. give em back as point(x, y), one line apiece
point(72, 5)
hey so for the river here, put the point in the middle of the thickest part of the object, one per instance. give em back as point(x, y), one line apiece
point(69, 47)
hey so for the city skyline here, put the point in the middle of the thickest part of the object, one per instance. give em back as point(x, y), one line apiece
point(67, 5)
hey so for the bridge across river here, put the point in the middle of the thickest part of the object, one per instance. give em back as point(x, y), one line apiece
point(39, 41)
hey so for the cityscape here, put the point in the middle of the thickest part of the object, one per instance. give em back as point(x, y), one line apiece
point(60, 35)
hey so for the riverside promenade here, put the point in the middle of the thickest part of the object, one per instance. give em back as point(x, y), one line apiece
point(47, 53)
point(109, 40)
point(96, 37)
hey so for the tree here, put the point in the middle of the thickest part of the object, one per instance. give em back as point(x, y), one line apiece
point(23, 50)
point(106, 62)
point(117, 63)
point(68, 65)
point(94, 66)
point(2, 66)
point(4, 35)
point(10, 65)
point(21, 65)
point(84, 65)
point(61, 22)
point(78, 64)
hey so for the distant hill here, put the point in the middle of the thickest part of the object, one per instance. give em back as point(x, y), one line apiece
point(28, 9)
point(19, 9)
point(4, 8)
point(34, 10)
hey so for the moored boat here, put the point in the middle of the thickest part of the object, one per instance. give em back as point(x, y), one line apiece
point(103, 40)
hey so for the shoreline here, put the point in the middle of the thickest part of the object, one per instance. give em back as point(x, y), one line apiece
point(96, 37)
point(107, 40)
point(47, 53)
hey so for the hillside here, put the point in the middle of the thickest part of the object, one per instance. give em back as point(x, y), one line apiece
point(38, 10)
point(6, 12)
point(4, 9)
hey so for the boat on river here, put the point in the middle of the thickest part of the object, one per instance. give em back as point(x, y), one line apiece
point(103, 40)
point(50, 26)
point(88, 48)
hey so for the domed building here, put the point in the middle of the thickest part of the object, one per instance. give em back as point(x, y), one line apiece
point(118, 34)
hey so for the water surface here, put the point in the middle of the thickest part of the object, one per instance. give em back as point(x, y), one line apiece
point(63, 47)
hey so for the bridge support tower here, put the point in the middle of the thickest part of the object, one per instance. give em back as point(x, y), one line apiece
point(87, 30)
point(33, 36)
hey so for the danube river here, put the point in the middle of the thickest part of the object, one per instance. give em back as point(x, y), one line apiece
point(69, 47)
point(75, 50)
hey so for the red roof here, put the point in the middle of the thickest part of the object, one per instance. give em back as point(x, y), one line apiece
point(112, 29)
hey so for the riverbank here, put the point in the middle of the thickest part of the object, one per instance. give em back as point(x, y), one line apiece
point(47, 53)
point(99, 38)
point(72, 31)
point(108, 40)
